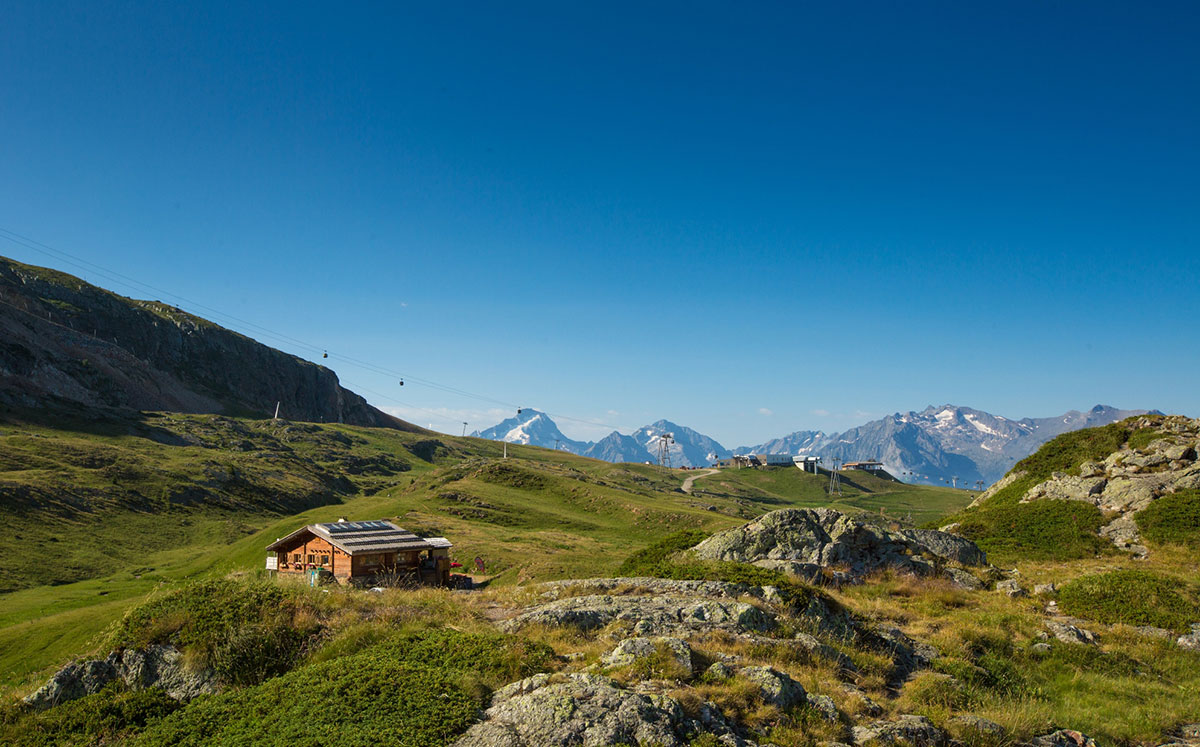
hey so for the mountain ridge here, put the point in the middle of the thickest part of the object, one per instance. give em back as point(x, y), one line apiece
point(66, 344)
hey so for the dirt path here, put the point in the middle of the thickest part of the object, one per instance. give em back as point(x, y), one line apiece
point(687, 484)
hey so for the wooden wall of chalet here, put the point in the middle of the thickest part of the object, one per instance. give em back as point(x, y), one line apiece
point(311, 551)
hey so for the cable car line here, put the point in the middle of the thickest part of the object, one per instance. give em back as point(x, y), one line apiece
point(141, 287)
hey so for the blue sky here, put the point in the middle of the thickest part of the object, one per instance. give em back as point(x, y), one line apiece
point(746, 219)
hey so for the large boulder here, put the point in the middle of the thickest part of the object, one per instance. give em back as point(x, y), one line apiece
point(800, 539)
point(586, 709)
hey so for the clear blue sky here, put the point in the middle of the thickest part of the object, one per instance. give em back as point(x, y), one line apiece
point(749, 219)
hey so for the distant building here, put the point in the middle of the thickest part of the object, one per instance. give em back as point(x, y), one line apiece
point(773, 460)
point(808, 463)
point(870, 465)
point(361, 552)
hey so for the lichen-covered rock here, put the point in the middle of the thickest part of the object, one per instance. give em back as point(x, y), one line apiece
point(971, 728)
point(963, 579)
point(1068, 633)
point(1191, 641)
point(155, 666)
point(649, 614)
point(631, 649)
point(777, 688)
point(585, 709)
point(908, 730)
point(1012, 589)
point(824, 705)
point(1063, 738)
point(75, 680)
point(826, 538)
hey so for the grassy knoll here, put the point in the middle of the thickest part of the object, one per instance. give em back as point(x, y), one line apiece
point(861, 491)
point(1010, 531)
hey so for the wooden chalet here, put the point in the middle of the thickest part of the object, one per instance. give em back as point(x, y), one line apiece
point(362, 553)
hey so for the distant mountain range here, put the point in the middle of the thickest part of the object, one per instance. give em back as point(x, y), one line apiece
point(946, 443)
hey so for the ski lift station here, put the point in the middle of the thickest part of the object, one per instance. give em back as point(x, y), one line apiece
point(808, 463)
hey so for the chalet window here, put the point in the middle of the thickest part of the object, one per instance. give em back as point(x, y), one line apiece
point(324, 560)
point(370, 559)
point(296, 558)
point(312, 558)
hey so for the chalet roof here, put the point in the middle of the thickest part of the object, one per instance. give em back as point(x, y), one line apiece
point(357, 537)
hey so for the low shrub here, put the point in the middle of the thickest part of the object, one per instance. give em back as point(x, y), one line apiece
point(1040, 530)
point(413, 690)
point(1133, 597)
point(101, 718)
point(1172, 519)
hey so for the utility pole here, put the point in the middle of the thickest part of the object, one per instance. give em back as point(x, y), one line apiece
point(277, 404)
point(464, 429)
point(954, 481)
point(506, 449)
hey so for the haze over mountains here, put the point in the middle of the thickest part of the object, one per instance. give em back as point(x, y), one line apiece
point(946, 443)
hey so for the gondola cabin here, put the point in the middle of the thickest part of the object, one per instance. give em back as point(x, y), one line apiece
point(363, 553)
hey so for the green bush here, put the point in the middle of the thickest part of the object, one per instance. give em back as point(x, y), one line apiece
point(101, 718)
point(414, 690)
point(1172, 519)
point(1132, 597)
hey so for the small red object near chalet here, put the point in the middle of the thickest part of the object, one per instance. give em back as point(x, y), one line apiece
point(363, 553)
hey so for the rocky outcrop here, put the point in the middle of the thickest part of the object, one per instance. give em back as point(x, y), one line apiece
point(647, 615)
point(587, 709)
point(808, 541)
point(138, 669)
point(65, 343)
point(657, 607)
point(1130, 479)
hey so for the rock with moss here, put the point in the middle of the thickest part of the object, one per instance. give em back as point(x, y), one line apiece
point(138, 669)
point(632, 650)
point(908, 730)
point(585, 709)
point(777, 688)
point(798, 539)
point(973, 729)
point(1069, 633)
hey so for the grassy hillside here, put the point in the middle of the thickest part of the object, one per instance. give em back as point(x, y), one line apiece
point(109, 511)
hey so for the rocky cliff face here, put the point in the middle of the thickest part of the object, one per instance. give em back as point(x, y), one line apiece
point(65, 344)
